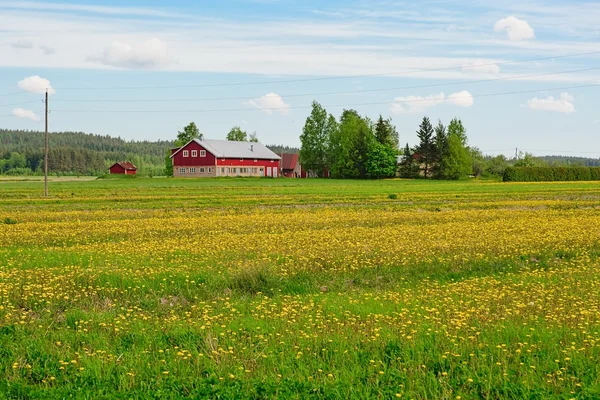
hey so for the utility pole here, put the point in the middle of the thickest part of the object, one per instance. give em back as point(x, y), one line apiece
point(46, 151)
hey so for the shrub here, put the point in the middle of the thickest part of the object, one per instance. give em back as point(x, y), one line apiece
point(10, 221)
point(393, 196)
point(550, 174)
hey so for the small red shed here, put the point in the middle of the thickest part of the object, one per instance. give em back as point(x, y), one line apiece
point(123, 168)
point(291, 167)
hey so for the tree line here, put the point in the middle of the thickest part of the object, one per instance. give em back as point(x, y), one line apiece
point(353, 147)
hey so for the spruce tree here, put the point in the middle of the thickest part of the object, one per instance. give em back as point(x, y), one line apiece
point(426, 151)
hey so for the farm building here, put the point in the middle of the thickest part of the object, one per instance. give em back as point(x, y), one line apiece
point(290, 166)
point(213, 158)
point(123, 168)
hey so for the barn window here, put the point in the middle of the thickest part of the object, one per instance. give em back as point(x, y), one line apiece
point(222, 170)
point(201, 170)
point(254, 170)
point(194, 153)
point(192, 170)
point(186, 153)
point(202, 153)
point(241, 159)
point(234, 170)
point(255, 160)
point(262, 169)
point(182, 170)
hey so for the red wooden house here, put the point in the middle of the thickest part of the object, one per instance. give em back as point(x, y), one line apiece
point(123, 168)
point(213, 158)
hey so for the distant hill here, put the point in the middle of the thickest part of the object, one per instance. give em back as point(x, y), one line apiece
point(22, 152)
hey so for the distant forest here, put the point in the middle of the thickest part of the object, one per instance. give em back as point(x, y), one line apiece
point(78, 153)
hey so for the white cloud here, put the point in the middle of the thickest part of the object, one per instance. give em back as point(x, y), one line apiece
point(482, 67)
point(22, 44)
point(23, 113)
point(461, 99)
point(270, 103)
point(47, 50)
point(563, 104)
point(36, 84)
point(149, 55)
point(416, 104)
point(516, 29)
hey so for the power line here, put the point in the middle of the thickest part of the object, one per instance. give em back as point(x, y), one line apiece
point(450, 98)
point(328, 93)
point(317, 79)
point(19, 104)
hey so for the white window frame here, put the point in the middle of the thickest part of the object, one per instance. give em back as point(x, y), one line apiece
point(202, 153)
point(241, 160)
point(209, 170)
point(186, 153)
point(201, 170)
point(255, 160)
point(192, 170)
point(194, 153)
point(182, 170)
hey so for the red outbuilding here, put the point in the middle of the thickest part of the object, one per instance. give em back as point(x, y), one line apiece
point(123, 168)
point(214, 158)
point(291, 167)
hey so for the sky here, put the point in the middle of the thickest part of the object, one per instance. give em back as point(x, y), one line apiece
point(520, 74)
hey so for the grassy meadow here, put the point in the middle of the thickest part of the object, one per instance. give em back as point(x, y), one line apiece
point(292, 289)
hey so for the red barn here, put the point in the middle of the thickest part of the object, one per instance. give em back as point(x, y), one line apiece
point(213, 158)
point(290, 166)
point(123, 168)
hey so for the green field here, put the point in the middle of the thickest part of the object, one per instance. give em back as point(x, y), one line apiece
point(273, 288)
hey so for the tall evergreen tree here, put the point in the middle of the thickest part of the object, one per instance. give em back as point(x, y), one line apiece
point(426, 151)
point(441, 149)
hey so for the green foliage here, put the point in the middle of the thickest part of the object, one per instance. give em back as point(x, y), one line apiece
point(189, 133)
point(168, 163)
point(441, 150)
point(392, 196)
point(550, 174)
point(426, 150)
point(9, 221)
point(381, 161)
point(236, 134)
point(529, 160)
point(315, 138)
point(76, 153)
point(454, 157)
point(496, 165)
point(477, 161)
point(253, 138)
point(458, 162)
point(348, 146)
point(385, 133)
point(409, 166)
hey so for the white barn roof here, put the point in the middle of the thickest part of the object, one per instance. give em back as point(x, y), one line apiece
point(230, 149)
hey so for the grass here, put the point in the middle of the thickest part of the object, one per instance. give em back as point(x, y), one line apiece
point(263, 288)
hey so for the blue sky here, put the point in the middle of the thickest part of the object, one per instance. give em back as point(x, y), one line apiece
point(143, 70)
